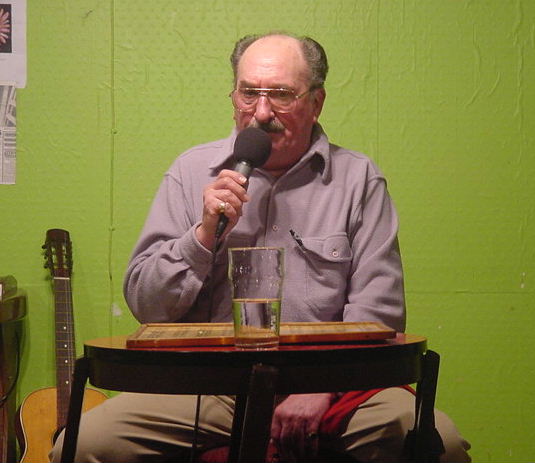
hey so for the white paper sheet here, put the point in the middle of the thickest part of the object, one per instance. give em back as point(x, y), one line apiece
point(8, 134)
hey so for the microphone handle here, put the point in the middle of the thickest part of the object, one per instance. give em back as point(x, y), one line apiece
point(221, 225)
point(244, 168)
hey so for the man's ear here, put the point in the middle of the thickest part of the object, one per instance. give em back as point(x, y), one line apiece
point(319, 98)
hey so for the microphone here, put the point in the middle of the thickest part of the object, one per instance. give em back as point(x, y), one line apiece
point(251, 149)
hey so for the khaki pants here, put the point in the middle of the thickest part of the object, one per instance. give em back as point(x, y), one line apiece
point(156, 428)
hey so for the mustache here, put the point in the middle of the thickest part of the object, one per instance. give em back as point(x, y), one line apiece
point(273, 126)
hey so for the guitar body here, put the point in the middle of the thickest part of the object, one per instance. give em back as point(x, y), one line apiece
point(37, 422)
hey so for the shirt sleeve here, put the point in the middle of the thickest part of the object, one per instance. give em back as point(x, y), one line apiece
point(168, 265)
point(375, 286)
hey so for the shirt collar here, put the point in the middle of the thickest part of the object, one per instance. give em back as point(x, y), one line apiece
point(319, 146)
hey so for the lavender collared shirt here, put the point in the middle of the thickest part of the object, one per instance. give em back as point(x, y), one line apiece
point(347, 269)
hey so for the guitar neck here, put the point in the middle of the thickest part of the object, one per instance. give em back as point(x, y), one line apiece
point(65, 348)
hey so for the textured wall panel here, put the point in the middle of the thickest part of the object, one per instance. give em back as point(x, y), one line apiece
point(439, 93)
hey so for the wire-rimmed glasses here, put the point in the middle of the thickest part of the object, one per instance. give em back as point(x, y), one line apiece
point(282, 100)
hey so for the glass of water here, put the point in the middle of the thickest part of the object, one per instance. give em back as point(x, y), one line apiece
point(256, 276)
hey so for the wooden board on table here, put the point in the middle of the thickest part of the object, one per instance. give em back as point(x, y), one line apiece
point(221, 334)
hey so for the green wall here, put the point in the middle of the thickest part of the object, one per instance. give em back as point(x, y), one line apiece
point(440, 93)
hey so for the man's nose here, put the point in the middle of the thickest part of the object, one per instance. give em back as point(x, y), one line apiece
point(263, 111)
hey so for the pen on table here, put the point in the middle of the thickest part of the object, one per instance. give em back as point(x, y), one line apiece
point(297, 239)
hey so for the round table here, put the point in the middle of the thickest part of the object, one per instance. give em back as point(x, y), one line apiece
point(255, 377)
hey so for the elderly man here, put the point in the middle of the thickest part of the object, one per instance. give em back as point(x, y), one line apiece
point(346, 266)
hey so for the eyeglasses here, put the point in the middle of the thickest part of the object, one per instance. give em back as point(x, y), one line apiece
point(282, 100)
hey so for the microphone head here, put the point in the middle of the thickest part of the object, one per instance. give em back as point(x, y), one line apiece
point(253, 146)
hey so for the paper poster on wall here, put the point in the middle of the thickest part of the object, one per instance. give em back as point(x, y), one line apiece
point(8, 134)
point(13, 42)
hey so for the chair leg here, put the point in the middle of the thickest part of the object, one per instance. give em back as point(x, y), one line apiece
point(423, 443)
point(81, 373)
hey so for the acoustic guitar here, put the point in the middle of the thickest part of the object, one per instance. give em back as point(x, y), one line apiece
point(43, 414)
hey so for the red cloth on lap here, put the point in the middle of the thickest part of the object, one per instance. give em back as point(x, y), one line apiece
point(335, 420)
point(333, 424)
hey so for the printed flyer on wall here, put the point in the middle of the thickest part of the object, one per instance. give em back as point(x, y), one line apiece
point(13, 42)
point(8, 134)
point(12, 76)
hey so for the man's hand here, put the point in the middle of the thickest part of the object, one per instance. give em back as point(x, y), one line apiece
point(296, 423)
point(225, 195)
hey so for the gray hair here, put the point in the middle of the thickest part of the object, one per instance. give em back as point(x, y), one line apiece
point(313, 53)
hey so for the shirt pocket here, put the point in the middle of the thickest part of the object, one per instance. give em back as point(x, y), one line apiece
point(328, 262)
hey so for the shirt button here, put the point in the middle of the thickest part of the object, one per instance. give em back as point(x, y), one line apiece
point(335, 253)
point(275, 228)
